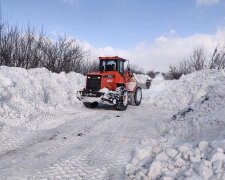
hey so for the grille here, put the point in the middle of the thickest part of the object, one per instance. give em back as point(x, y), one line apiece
point(93, 83)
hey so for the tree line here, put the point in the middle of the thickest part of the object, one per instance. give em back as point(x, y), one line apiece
point(28, 48)
point(31, 48)
point(197, 61)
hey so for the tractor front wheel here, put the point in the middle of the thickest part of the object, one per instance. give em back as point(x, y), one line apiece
point(90, 105)
point(123, 103)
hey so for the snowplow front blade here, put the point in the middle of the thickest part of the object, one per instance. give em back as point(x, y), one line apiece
point(86, 96)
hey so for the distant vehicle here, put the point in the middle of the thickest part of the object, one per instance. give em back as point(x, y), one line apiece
point(112, 84)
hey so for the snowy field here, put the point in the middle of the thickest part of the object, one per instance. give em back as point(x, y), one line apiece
point(46, 133)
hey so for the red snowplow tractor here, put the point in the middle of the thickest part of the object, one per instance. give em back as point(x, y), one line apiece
point(112, 84)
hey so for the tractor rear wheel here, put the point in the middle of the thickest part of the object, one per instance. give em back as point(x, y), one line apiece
point(123, 103)
point(136, 97)
point(90, 105)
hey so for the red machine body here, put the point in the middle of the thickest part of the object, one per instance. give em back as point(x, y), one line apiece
point(113, 83)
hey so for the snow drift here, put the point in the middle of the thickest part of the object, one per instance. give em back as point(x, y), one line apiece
point(25, 93)
point(177, 94)
point(195, 131)
point(197, 102)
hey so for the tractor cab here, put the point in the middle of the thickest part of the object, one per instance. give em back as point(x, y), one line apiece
point(112, 64)
point(111, 74)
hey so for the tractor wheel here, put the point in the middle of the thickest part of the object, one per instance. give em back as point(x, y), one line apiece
point(136, 97)
point(90, 105)
point(123, 103)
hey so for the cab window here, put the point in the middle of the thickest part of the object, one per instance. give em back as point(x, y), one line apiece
point(121, 67)
point(108, 65)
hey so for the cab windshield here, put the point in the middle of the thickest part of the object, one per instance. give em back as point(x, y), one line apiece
point(108, 65)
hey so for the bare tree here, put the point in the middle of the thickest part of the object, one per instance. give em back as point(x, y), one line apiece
point(91, 63)
point(197, 60)
point(218, 58)
point(28, 48)
point(136, 69)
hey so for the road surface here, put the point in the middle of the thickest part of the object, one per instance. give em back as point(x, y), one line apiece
point(89, 144)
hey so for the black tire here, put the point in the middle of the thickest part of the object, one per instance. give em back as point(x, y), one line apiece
point(136, 97)
point(90, 105)
point(123, 102)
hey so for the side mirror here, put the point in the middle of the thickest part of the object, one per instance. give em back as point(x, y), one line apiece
point(129, 70)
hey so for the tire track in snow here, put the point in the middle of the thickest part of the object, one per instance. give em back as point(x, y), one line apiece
point(109, 137)
point(54, 151)
point(82, 164)
point(18, 137)
point(105, 158)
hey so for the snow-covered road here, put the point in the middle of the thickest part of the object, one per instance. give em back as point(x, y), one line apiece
point(89, 144)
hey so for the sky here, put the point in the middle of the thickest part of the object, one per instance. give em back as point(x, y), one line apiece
point(151, 33)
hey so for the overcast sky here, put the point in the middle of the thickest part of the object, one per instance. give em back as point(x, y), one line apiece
point(151, 33)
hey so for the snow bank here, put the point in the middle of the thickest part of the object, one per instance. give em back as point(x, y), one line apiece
point(197, 128)
point(176, 95)
point(198, 103)
point(204, 161)
point(28, 92)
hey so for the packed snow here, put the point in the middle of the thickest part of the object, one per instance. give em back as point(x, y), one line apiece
point(177, 132)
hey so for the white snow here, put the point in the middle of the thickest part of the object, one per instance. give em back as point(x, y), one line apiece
point(180, 162)
point(27, 93)
point(177, 132)
point(196, 130)
point(178, 94)
point(141, 78)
